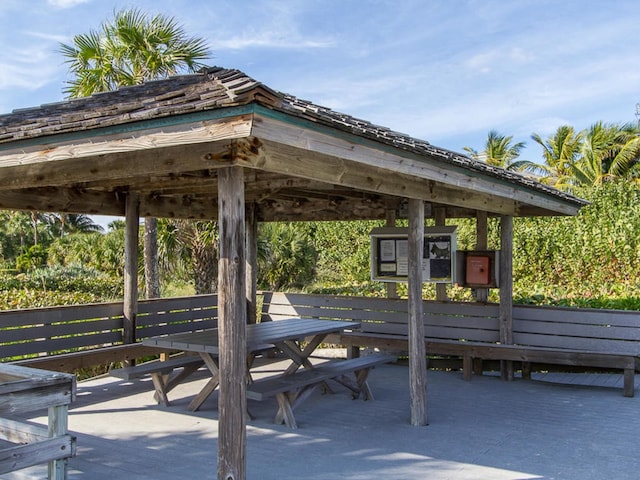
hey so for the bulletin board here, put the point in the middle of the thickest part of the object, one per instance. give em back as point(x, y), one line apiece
point(390, 254)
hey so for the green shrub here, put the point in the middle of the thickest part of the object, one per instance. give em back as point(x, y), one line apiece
point(14, 298)
point(72, 279)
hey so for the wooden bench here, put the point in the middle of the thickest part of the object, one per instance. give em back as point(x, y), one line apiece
point(543, 336)
point(166, 375)
point(291, 390)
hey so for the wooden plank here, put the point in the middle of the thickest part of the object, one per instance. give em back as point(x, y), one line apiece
point(566, 329)
point(63, 314)
point(206, 301)
point(182, 316)
point(617, 318)
point(49, 346)
point(9, 335)
point(23, 456)
point(156, 330)
point(165, 367)
point(588, 344)
point(35, 398)
point(18, 431)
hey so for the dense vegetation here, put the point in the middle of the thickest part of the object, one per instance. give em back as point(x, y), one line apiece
point(589, 260)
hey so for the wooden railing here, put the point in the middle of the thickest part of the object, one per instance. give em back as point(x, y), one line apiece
point(70, 337)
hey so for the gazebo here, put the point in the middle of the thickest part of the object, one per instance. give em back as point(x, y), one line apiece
point(220, 145)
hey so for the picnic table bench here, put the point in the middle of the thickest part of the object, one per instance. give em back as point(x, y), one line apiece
point(543, 336)
point(165, 374)
point(290, 390)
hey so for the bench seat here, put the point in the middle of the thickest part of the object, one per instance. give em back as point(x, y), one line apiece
point(291, 390)
point(470, 351)
point(166, 375)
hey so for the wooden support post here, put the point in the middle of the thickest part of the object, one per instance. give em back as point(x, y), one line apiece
point(150, 248)
point(251, 273)
point(232, 314)
point(482, 233)
point(392, 287)
point(58, 421)
point(417, 354)
point(441, 288)
point(506, 290)
point(132, 230)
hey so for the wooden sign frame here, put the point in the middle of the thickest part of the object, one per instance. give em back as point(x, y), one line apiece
point(389, 254)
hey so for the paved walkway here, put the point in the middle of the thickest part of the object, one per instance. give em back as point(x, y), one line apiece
point(483, 429)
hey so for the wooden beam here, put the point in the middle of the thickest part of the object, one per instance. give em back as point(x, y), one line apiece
point(232, 401)
point(113, 164)
point(282, 210)
point(62, 200)
point(184, 206)
point(417, 355)
point(437, 165)
point(99, 146)
point(506, 289)
point(284, 159)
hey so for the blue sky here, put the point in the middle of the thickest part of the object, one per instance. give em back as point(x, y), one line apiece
point(446, 71)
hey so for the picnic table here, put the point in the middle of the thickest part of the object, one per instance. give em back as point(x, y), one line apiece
point(286, 335)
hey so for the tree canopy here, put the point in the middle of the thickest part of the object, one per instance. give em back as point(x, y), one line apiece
point(130, 49)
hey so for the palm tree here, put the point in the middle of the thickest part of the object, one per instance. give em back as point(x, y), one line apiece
point(286, 256)
point(609, 152)
point(191, 242)
point(62, 224)
point(560, 152)
point(131, 49)
point(499, 151)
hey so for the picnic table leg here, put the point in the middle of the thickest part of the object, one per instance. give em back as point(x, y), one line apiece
point(159, 383)
point(361, 378)
point(210, 386)
point(300, 357)
point(165, 383)
point(629, 380)
point(285, 411)
point(467, 366)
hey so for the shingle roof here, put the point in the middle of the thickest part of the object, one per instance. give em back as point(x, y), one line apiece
point(216, 88)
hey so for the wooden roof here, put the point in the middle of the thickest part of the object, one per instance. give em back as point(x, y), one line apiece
point(165, 140)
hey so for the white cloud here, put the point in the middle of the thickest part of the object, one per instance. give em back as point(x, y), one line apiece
point(57, 38)
point(270, 39)
point(496, 59)
point(66, 3)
